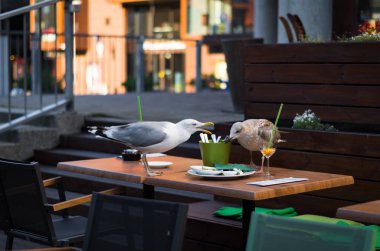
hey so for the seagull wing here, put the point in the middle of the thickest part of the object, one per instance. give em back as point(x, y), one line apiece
point(265, 131)
point(140, 134)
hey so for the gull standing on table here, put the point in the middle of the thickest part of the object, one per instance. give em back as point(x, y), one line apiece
point(252, 133)
point(152, 136)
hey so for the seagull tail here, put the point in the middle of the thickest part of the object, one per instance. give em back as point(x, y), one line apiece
point(99, 131)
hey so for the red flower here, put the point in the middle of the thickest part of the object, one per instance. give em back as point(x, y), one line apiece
point(370, 28)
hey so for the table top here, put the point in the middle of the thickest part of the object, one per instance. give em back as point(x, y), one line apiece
point(175, 176)
point(130, 171)
point(364, 212)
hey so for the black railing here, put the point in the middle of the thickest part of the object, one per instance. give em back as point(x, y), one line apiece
point(21, 79)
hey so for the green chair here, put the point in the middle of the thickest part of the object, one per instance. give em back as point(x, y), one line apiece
point(268, 233)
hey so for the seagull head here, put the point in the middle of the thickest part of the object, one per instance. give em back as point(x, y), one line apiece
point(192, 126)
point(236, 130)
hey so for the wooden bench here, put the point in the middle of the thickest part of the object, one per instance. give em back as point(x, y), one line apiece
point(207, 232)
point(368, 212)
point(340, 82)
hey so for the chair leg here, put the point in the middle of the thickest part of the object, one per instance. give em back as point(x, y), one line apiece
point(9, 243)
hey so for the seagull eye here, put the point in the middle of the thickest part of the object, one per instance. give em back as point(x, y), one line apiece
point(237, 131)
point(194, 124)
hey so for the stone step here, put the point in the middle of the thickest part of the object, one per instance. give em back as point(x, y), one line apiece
point(20, 143)
point(53, 156)
point(88, 141)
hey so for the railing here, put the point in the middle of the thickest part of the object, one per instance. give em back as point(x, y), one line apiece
point(25, 46)
point(115, 64)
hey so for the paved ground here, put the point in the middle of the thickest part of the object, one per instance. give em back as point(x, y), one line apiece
point(204, 106)
point(213, 106)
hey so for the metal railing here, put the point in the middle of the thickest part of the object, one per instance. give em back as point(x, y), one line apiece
point(27, 92)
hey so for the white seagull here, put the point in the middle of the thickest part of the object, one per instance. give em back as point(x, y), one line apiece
point(152, 136)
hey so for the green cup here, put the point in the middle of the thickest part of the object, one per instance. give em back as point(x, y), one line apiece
point(215, 153)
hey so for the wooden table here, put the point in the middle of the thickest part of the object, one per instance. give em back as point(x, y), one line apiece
point(368, 212)
point(128, 171)
point(176, 177)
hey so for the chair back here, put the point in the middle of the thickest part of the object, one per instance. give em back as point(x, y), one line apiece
point(288, 31)
point(279, 233)
point(3, 211)
point(126, 223)
point(23, 201)
point(298, 27)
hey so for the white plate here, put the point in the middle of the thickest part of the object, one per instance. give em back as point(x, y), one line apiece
point(205, 170)
point(219, 176)
point(159, 164)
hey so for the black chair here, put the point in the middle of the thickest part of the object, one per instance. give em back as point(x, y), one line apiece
point(126, 223)
point(26, 213)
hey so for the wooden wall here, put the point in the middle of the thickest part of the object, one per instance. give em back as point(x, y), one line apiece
point(341, 83)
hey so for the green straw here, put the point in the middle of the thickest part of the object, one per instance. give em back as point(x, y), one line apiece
point(275, 125)
point(139, 108)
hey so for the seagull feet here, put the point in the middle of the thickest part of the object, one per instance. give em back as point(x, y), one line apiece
point(148, 170)
point(152, 173)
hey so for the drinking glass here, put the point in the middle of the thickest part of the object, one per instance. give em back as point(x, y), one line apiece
point(267, 150)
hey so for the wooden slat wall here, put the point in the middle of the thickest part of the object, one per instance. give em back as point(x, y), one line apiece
point(340, 82)
point(313, 53)
point(328, 73)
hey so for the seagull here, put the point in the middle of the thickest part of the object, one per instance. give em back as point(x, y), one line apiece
point(253, 133)
point(152, 136)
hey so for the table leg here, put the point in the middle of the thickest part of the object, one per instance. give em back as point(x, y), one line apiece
point(248, 207)
point(148, 191)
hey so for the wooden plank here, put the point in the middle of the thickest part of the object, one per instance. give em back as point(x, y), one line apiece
point(313, 73)
point(362, 168)
point(52, 181)
point(346, 143)
point(82, 200)
point(368, 212)
point(306, 53)
point(343, 143)
point(367, 96)
point(358, 192)
point(239, 189)
point(332, 114)
point(114, 168)
point(328, 163)
point(306, 204)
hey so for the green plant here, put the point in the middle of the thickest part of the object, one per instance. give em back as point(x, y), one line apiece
point(130, 83)
point(308, 39)
point(309, 120)
point(47, 81)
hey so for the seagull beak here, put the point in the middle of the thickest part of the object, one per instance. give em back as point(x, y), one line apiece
point(208, 125)
point(232, 137)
